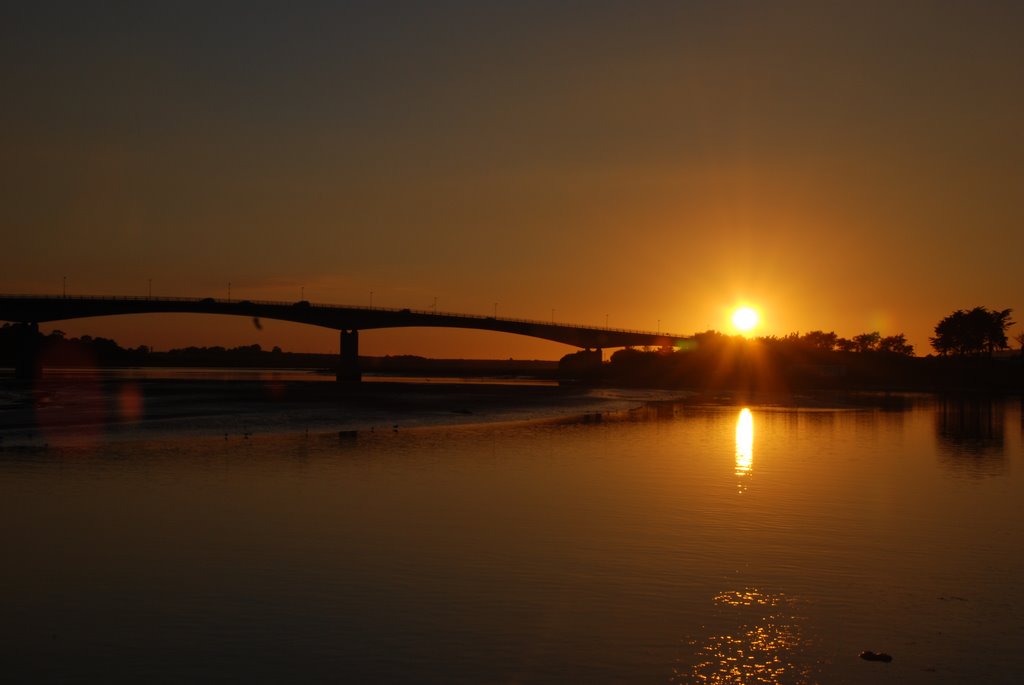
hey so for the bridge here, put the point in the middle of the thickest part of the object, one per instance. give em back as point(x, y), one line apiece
point(349, 320)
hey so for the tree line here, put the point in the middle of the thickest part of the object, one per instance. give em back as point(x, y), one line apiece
point(965, 342)
point(57, 349)
point(974, 332)
point(830, 342)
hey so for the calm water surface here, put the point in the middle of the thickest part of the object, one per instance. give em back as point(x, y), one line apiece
point(673, 543)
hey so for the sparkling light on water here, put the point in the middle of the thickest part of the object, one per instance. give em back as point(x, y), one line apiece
point(767, 644)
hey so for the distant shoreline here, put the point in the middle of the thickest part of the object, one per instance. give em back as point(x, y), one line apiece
point(710, 362)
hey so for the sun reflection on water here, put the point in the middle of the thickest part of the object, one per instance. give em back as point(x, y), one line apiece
point(766, 646)
point(744, 442)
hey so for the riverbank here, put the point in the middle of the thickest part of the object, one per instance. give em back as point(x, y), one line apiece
point(103, 407)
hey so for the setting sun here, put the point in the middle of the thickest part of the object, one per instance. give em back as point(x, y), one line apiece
point(745, 319)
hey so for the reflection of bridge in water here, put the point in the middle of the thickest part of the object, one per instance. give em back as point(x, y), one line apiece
point(349, 320)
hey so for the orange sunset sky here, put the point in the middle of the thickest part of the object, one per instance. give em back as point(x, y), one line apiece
point(841, 166)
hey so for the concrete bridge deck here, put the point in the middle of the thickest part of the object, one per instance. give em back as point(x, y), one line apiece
point(349, 320)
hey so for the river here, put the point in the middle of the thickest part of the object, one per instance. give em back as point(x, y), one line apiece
point(601, 540)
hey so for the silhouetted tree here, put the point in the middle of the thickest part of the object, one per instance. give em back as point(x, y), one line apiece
point(974, 332)
point(820, 340)
point(845, 345)
point(896, 344)
point(866, 342)
point(710, 340)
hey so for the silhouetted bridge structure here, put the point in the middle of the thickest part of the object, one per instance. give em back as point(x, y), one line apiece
point(349, 320)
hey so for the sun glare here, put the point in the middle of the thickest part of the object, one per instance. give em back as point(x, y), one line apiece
point(745, 319)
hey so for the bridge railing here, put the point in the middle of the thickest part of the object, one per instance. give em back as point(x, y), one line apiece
point(320, 305)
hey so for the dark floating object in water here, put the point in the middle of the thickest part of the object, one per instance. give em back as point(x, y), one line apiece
point(875, 656)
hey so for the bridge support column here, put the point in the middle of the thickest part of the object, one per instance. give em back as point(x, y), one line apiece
point(27, 363)
point(348, 362)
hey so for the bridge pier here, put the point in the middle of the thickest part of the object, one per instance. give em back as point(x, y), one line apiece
point(28, 364)
point(348, 361)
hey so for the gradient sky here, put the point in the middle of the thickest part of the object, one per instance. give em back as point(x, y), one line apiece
point(844, 166)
